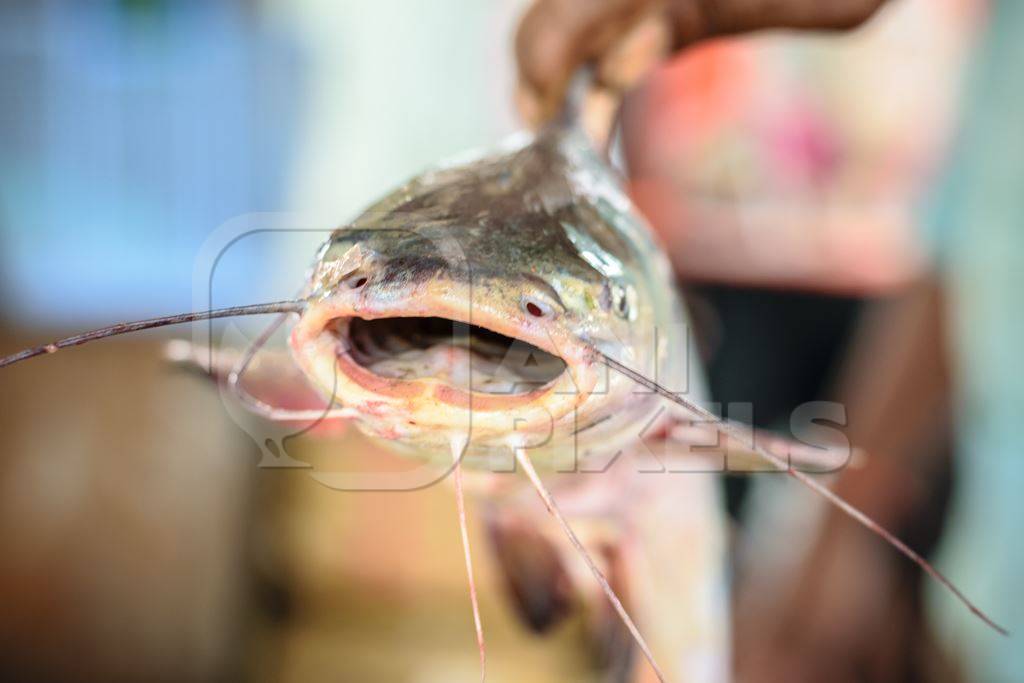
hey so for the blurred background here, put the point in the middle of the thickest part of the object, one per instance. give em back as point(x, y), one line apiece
point(843, 212)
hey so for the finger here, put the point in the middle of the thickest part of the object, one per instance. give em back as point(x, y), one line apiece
point(545, 56)
point(556, 37)
point(622, 67)
point(598, 116)
point(528, 104)
point(637, 52)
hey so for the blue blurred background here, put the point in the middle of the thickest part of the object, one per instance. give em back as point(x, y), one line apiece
point(132, 129)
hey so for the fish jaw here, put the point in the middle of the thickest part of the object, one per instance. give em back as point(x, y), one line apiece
point(430, 411)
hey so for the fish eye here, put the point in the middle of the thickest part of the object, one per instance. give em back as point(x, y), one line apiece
point(543, 300)
point(536, 308)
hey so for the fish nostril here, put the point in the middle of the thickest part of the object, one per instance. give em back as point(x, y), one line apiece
point(357, 282)
point(534, 310)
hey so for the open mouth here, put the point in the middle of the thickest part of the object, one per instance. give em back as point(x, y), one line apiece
point(465, 356)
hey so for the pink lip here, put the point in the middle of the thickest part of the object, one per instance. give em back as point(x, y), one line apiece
point(449, 395)
point(546, 335)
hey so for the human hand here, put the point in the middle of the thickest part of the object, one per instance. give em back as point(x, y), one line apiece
point(624, 39)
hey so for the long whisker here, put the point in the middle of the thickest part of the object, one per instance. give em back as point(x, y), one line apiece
point(296, 306)
point(458, 449)
point(524, 461)
point(264, 409)
point(237, 372)
point(824, 492)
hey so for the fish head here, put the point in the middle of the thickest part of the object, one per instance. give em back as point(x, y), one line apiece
point(468, 306)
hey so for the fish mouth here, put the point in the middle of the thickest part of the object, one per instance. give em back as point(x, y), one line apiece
point(469, 357)
point(442, 360)
point(428, 366)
